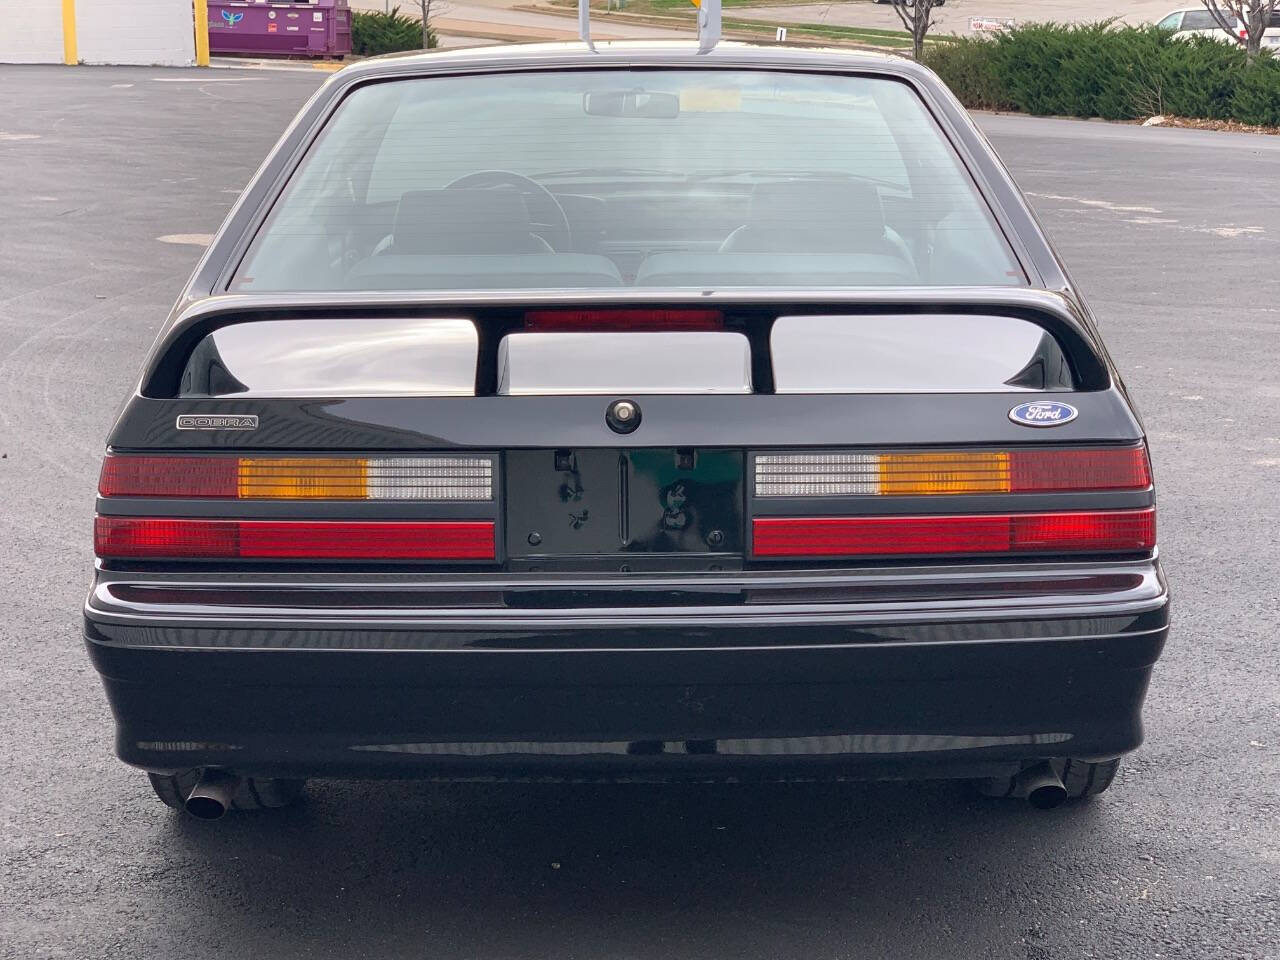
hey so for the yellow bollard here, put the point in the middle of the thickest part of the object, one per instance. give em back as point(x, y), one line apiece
point(202, 32)
point(70, 55)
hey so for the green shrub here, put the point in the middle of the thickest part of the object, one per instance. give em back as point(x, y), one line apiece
point(1117, 73)
point(1199, 77)
point(966, 66)
point(1085, 70)
point(373, 33)
point(1257, 94)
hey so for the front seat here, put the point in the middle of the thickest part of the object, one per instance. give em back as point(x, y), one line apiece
point(816, 216)
point(475, 222)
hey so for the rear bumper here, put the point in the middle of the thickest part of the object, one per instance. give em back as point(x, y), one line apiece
point(958, 671)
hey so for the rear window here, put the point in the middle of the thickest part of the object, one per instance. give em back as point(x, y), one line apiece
point(602, 179)
point(1199, 20)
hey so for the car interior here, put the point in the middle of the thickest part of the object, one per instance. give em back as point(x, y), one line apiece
point(517, 233)
point(869, 196)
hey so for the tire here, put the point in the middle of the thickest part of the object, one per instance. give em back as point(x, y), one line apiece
point(1081, 778)
point(254, 793)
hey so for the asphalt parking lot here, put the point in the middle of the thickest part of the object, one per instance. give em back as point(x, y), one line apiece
point(1175, 236)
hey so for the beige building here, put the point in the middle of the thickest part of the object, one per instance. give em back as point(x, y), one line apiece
point(159, 32)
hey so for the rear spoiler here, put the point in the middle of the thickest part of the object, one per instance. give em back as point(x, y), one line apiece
point(494, 312)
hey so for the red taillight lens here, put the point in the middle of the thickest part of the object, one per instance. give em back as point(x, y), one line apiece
point(162, 537)
point(168, 476)
point(1102, 531)
point(1085, 532)
point(152, 537)
point(586, 321)
point(877, 536)
point(1042, 470)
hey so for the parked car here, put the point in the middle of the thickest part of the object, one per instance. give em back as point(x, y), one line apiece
point(1199, 22)
point(1194, 21)
point(627, 411)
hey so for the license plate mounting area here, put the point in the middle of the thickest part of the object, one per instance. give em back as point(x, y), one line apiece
point(625, 510)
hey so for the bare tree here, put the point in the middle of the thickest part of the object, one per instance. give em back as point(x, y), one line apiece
point(1255, 15)
point(428, 35)
point(917, 17)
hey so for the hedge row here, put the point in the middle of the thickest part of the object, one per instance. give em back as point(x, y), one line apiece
point(1117, 73)
point(374, 33)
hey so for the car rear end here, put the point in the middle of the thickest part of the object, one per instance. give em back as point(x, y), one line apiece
point(769, 531)
point(866, 583)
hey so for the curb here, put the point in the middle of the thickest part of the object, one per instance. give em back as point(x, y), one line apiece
point(283, 66)
point(731, 30)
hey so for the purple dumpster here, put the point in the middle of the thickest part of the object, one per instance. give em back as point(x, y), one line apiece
point(280, 28)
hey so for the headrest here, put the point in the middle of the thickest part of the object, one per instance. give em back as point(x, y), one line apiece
point(463, 222)
point(845, 207)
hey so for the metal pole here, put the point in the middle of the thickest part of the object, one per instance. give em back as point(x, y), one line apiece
point(708, 25)
point(584, 23)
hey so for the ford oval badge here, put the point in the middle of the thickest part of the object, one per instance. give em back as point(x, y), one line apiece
point(1043, 413)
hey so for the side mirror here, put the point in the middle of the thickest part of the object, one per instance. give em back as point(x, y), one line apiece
point(631, 103)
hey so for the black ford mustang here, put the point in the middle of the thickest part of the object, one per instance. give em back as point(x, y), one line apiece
point(632, 412)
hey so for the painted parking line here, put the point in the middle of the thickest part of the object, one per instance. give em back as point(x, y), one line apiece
point(200, 79)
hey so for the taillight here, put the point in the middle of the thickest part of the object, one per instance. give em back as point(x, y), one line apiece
point(585, 321)
point(427, 485)
point(179, 538)
point(1100, 531)
point(950, 472)
point(432, 478)
point(856, 530)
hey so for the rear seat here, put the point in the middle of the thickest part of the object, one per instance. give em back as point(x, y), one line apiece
point(458, 239)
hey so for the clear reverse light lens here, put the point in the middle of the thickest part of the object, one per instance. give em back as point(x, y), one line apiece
point(817, 474)
point(430, 478)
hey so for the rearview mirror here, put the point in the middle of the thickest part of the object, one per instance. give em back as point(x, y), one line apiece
point(631, 103)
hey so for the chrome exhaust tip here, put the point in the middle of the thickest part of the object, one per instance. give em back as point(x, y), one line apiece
point(212, 794)
point(1042, 787)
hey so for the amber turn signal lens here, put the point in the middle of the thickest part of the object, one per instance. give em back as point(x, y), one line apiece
point(309, 478)
point(906, 474)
